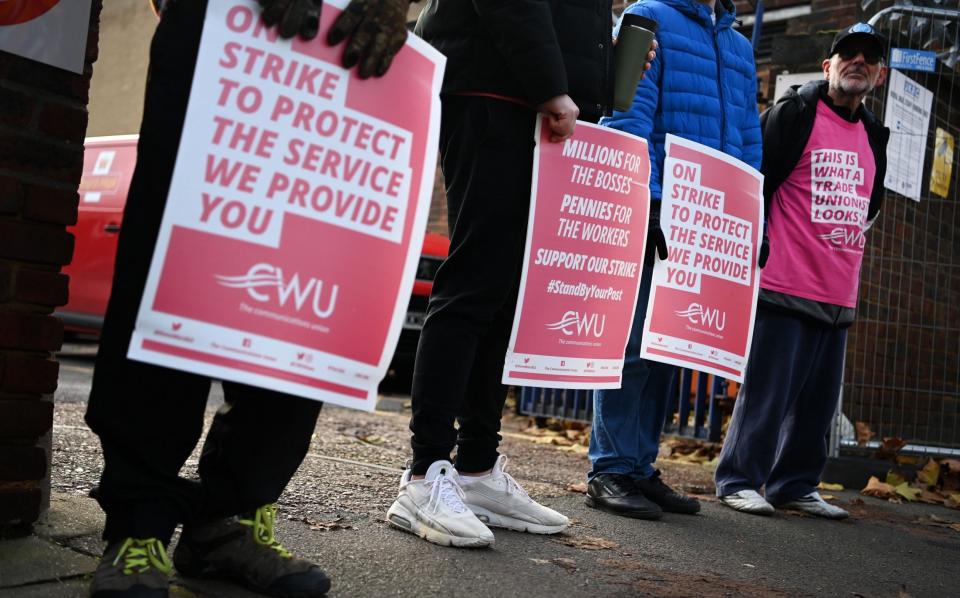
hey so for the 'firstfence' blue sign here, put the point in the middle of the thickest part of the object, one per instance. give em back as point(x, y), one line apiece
point(913, 60)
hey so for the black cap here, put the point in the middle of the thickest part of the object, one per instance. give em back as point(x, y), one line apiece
point(640, 21)
point(863, 31)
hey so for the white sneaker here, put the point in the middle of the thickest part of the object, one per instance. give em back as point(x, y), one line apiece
point(748, 501)
point(814, 504)
point(433, 509)
point(499, 501)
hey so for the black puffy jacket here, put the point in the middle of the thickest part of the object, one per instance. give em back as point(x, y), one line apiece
point(531, 50)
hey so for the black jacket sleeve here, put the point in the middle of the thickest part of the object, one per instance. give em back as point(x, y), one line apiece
point(523, 34)
point(878, 135)
point(778, 124)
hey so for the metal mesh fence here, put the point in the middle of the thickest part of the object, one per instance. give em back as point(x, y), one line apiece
point(902, 371)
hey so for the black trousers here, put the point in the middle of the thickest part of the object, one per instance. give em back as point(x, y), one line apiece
point(486, 149)
point(149, 418)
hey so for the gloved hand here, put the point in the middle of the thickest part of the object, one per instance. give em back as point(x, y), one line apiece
point(292, 17)
point(764, 251)
point(655, 237)
point(377, 30)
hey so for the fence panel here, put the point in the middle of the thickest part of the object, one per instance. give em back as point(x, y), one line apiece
point(902, 371)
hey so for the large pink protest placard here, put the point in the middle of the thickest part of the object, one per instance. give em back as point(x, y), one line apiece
point(704, 296)
point(585, 241)
point(296, 212)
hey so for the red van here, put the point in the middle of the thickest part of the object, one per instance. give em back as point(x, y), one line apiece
point(107, 169)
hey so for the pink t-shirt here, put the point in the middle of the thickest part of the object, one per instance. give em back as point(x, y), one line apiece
point(817, 216)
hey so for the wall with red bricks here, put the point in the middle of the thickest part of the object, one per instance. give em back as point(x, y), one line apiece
point(43, 118)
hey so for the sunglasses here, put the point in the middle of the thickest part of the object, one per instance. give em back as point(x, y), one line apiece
point(869, 56)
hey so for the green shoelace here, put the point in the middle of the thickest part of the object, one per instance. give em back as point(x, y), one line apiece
point(140, 555)
point(262, 524)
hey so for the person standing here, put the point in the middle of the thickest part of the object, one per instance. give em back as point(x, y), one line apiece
point(702, 87)
point(824, 161)
point(149, 418)
point(507, 62)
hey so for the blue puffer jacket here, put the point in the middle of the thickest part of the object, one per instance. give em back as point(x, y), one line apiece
point(701, 87)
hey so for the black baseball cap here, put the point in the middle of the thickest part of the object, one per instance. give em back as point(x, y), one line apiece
point(860, 31)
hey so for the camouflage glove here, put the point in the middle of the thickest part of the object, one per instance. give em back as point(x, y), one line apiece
point(377, 30)
point(292, 17)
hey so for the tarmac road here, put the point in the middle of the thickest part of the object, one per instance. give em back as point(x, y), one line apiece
point(333, 510)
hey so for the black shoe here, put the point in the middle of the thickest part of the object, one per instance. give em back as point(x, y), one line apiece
point(133, 568)
point(669, 499)
point(619, 494)
point(244, 551)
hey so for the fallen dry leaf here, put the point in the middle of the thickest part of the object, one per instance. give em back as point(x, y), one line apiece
point(930, 474)
point(950, 475)
point(326, 526)
point(938, 522)
point(856, 502)
point(932, 497)
point(541, 561)
point(953, 500)
point(371, 439)
point(568, 564)
point(552, 440)
point(908, 460)
point(890, 447)
point(908, 492)
point(580, 487)
point(587, 542)
point(878, 489)
point(895, 479)
point(830, 487)
point(864, 433)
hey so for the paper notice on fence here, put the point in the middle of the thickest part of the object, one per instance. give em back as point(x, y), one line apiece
point(942, 169)
point(908, 117)
point(296, 212)
point(704, 296)
point(581, 272)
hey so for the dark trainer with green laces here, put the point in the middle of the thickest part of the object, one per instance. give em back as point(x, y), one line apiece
point(133, 568)
point(244, 551)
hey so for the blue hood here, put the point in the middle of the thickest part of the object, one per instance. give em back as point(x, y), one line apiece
point(702, 85)
point(726, 11)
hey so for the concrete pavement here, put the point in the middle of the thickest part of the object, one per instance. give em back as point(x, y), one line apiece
point(333, 508)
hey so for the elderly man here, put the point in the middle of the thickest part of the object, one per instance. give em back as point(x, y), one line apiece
point(824, 160)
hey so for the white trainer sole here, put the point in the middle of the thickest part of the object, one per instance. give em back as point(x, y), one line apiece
point(764, 510)
point(399, 517)
point(492, 519)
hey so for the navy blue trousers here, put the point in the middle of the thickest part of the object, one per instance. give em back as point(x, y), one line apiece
point(778, 434)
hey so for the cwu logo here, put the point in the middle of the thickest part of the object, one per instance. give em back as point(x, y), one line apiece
point(843, 237)
point(265, 283)
point(574, 323)
point(698, 314)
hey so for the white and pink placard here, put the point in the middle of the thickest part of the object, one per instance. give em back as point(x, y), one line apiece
point(704, 296)
point(585, 240)
point(296, 212)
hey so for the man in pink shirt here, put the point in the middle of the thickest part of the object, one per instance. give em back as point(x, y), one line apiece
point(824, 160)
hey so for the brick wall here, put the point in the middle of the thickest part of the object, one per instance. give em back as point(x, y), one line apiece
point(43, 117)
